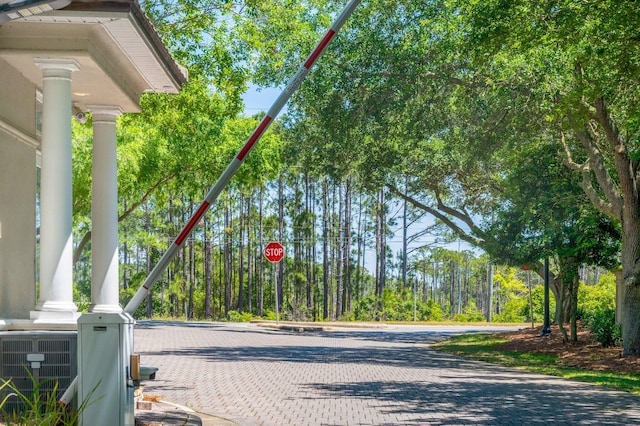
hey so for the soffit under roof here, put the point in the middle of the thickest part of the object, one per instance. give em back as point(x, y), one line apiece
point(119, 53)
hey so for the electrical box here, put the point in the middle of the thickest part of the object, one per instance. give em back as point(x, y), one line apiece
point(105, 345)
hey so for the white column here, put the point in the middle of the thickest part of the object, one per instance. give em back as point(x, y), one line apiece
point(104, 211)
point(56, 248)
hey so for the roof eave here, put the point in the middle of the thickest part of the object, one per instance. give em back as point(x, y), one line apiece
point(177, 72)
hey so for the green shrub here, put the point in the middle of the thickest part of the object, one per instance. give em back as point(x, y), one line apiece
point(602, 324)
point(348, 316)
point(593, 298)
point(461, 318)
point(365, 309)
point(269, 315)
point(235, 316)
point(39, 408)
point(395, 308)
point(473, 314)
point(514, 311)
point(430, 311)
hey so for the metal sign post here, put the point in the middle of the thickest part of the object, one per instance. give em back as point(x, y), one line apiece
point(275, 292)
point(274, 252)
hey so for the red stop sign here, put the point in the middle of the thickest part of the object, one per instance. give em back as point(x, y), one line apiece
point(274, 252)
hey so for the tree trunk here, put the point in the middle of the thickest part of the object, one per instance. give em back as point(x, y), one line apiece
point(183, 281)
point(125, 266)
point(466, 290)
point(627, 208)
point(346, 281)
point(559, 315)
point(192, 278)
point(310, 241)
point(221, 271)
point(562, 311)
point(325, 249)
point(261, 275)
point(147, 226)
point(240, 255)
point(359, 254)
point(346, 297)
point(340, 250)
point(617, 198)
point(298, 231)
point(207, 271)
point(434, 284)
point(227, 260)
point(630, 315)
point(333, 248)
point(249, 256)
point(574, 309)
point(281, 239)
point(566, 308)
point(173, 307)
point(405, 211)
point(452, 289)
point(381, 252)
point(459, 284)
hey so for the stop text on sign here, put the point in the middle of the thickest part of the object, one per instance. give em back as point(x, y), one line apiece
point(274, 252)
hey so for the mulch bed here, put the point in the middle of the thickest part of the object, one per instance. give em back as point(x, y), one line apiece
point(585, 353)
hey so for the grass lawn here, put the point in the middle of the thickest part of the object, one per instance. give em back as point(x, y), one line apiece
point(484, 347)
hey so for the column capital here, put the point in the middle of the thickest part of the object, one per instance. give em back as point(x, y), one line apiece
point(104, 113)
point(52, 66)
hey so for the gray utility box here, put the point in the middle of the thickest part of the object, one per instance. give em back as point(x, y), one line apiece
point(48, 356)
point(105, 345)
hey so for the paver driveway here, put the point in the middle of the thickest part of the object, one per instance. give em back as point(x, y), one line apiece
point(257, 376)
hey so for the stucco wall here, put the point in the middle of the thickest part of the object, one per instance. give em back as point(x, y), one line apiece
point(17, 194)
point(17, 97)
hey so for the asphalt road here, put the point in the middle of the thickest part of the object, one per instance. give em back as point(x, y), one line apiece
point(256, 376)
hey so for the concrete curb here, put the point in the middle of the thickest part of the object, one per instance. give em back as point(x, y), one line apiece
point(166, 413)
point(302, 327)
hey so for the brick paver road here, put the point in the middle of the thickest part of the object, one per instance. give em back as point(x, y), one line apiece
point(257, 376)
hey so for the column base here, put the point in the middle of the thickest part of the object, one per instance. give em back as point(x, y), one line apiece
point(106, 309)
point(54, 317)
point(61, 307)
point(37, 325)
